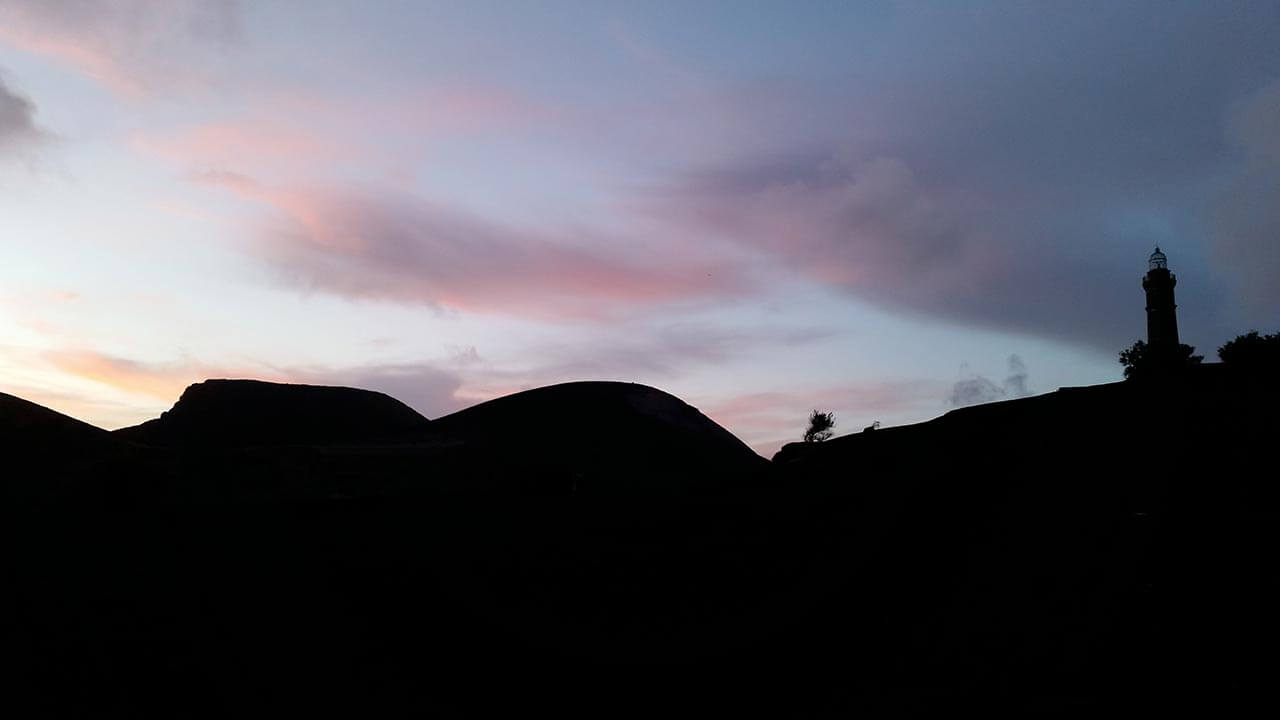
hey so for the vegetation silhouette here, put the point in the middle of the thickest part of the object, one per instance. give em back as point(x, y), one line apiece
point(821, 427)
point(1252, 351)
point(1142, 360)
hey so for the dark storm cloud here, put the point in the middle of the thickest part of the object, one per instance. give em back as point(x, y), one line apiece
point(1012, 167)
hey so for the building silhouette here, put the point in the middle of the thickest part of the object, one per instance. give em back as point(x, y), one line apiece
point(1162, 318)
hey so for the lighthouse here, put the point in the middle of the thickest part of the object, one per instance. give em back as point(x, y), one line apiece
point(1162, 318)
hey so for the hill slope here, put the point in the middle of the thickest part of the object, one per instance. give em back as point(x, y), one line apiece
point(241, 413)
point(1090, 551)
point(1054, 551)
point(48, 455)
point(609, 435)
point(29, 427)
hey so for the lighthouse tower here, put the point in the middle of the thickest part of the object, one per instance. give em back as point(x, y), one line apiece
point(1162, 318)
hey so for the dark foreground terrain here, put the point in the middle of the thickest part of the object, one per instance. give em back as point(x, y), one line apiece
point(1091, 551)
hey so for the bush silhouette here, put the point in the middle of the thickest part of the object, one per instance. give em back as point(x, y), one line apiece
point(820, 426)
point(1252, 350)
point(1140, 359)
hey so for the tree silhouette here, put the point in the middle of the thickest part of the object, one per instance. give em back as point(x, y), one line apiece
point(1252, 350)
point(820, 426)
point(1140, 359)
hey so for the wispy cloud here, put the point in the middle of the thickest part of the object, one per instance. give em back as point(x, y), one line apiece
point(161, 381)
point(295, 133)
point(977, 389)
point(663, 351)
point(400, 248)
point(128, 45)
point(213, 145)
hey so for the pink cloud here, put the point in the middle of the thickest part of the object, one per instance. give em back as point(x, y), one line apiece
point(404, 249)
point(295, 133)
point(215, 144)
point(127, 45)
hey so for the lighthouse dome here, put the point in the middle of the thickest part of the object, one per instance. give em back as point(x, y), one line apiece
point(1158, 261)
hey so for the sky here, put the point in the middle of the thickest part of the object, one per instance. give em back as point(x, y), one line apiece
point(880, 209)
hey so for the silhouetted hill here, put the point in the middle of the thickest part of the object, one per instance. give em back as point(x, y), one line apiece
point(1092, 551)
point(241, 413)
point(1069, 550)
point(249, 439)
point(28, 427)
point(1143, 426)
point(49, 456)
point(607, 437)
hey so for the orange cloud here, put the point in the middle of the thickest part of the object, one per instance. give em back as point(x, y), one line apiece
point(155, 380)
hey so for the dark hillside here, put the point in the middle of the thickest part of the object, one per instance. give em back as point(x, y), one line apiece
point(239, 413)
point(26, 426)
point(1071, 550)
point(609, 436)
point(1093, 551)
point(48, 455)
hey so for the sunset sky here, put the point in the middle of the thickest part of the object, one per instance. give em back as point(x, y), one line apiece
point(882, 209)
